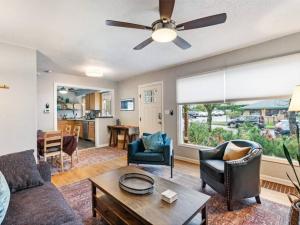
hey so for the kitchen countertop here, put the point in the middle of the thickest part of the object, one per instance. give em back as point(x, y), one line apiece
point(81, 119)
point(77, 119)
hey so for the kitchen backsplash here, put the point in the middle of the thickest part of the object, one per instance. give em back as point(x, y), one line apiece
point(68, 113)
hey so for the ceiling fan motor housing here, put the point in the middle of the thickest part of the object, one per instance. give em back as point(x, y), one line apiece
point(159, 24)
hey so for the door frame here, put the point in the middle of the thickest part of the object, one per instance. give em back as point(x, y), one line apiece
point(162, 101)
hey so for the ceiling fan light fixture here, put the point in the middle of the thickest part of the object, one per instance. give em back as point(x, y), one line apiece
point(164, 35)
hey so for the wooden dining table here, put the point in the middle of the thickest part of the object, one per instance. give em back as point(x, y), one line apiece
point(128, 131)
point(69, 143)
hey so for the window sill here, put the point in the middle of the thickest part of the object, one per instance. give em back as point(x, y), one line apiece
point(266, 158)
point(192, 146)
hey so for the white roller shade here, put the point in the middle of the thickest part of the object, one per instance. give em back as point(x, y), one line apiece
point(268, 78)
point(201, 88)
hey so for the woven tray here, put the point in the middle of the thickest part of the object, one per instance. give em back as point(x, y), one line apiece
point(136, 183)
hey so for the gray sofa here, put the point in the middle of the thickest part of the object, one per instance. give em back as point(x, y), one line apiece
point(40, 205)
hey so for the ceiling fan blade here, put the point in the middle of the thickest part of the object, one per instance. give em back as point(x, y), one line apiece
point(127, 25)
point(203, 22)
point(143, 44)
point(181, 43)
point(166, 8)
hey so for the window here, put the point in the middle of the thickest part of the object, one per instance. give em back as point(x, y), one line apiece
point(150, 96)
point(212, 124)
point(106, 104)
point(205, 118)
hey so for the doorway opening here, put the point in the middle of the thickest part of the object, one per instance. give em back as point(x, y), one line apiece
point(77, 108)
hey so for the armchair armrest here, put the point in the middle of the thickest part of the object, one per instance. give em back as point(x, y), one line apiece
point(45, 171)
point(167, 149)
point(214, 153)
point(243, 174)
point(134, 147)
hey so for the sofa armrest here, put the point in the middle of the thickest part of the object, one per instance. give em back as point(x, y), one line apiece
point(45, 171)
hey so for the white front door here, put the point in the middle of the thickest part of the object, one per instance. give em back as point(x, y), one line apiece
point(150, 108)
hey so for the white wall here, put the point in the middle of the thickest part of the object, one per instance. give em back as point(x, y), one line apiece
point(45, 87)
point(18, 118)
point(129, 88)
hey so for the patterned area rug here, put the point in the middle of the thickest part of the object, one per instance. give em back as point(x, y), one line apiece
point(245, 212)
point(87, 157)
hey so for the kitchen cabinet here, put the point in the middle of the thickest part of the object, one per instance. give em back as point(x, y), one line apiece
point(87, 102)
point(61, 124)
point(92, 101)
point(91, 131)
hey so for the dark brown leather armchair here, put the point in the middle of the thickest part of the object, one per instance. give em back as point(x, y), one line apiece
point(235, 179)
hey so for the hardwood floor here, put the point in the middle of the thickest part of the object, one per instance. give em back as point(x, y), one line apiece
point(78, 174)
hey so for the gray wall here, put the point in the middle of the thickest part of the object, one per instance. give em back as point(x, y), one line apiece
point(18, 117)
point(129, 88)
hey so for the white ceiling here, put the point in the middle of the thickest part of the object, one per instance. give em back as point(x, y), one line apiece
point(70, 35)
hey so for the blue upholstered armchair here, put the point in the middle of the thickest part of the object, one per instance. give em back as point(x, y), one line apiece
point(138, 155)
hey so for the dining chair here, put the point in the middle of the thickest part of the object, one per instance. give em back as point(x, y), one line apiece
point(76, 132)
point(68, 129)
point(53, 146)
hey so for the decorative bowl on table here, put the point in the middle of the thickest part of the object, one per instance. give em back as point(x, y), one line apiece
point(136, 183)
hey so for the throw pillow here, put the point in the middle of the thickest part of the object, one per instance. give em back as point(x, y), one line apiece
point(4, 197)
point(153, 142)
point(20, 170)
point(233, 152)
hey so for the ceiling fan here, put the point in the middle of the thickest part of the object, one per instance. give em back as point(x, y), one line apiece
point(165, 29)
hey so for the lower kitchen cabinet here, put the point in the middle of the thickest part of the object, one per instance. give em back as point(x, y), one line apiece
point(91, 135)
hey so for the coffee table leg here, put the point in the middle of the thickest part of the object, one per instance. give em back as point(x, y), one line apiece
point(204, 216)
point(94, 200)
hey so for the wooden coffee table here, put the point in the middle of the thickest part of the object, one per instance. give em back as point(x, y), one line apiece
point(119, 207)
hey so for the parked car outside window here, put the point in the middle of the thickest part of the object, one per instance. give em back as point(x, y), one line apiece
point(283, 127)
point(254, 119)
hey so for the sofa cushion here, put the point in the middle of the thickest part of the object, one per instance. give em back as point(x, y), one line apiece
point(233, 152)
point(148, 157)
point(4, 197)
point(43, 205)
point(20, 170)
point(213, 168)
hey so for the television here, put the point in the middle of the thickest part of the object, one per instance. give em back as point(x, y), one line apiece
point(127, 104)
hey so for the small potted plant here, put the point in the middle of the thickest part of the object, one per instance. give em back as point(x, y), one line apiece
point(294, 216)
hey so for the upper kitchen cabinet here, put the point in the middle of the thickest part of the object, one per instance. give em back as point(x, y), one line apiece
point(93, 101)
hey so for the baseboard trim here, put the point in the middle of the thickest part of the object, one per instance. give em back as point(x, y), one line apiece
point(185, 159)
point(103, 145)
point(276, 180)
point(262, 176)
